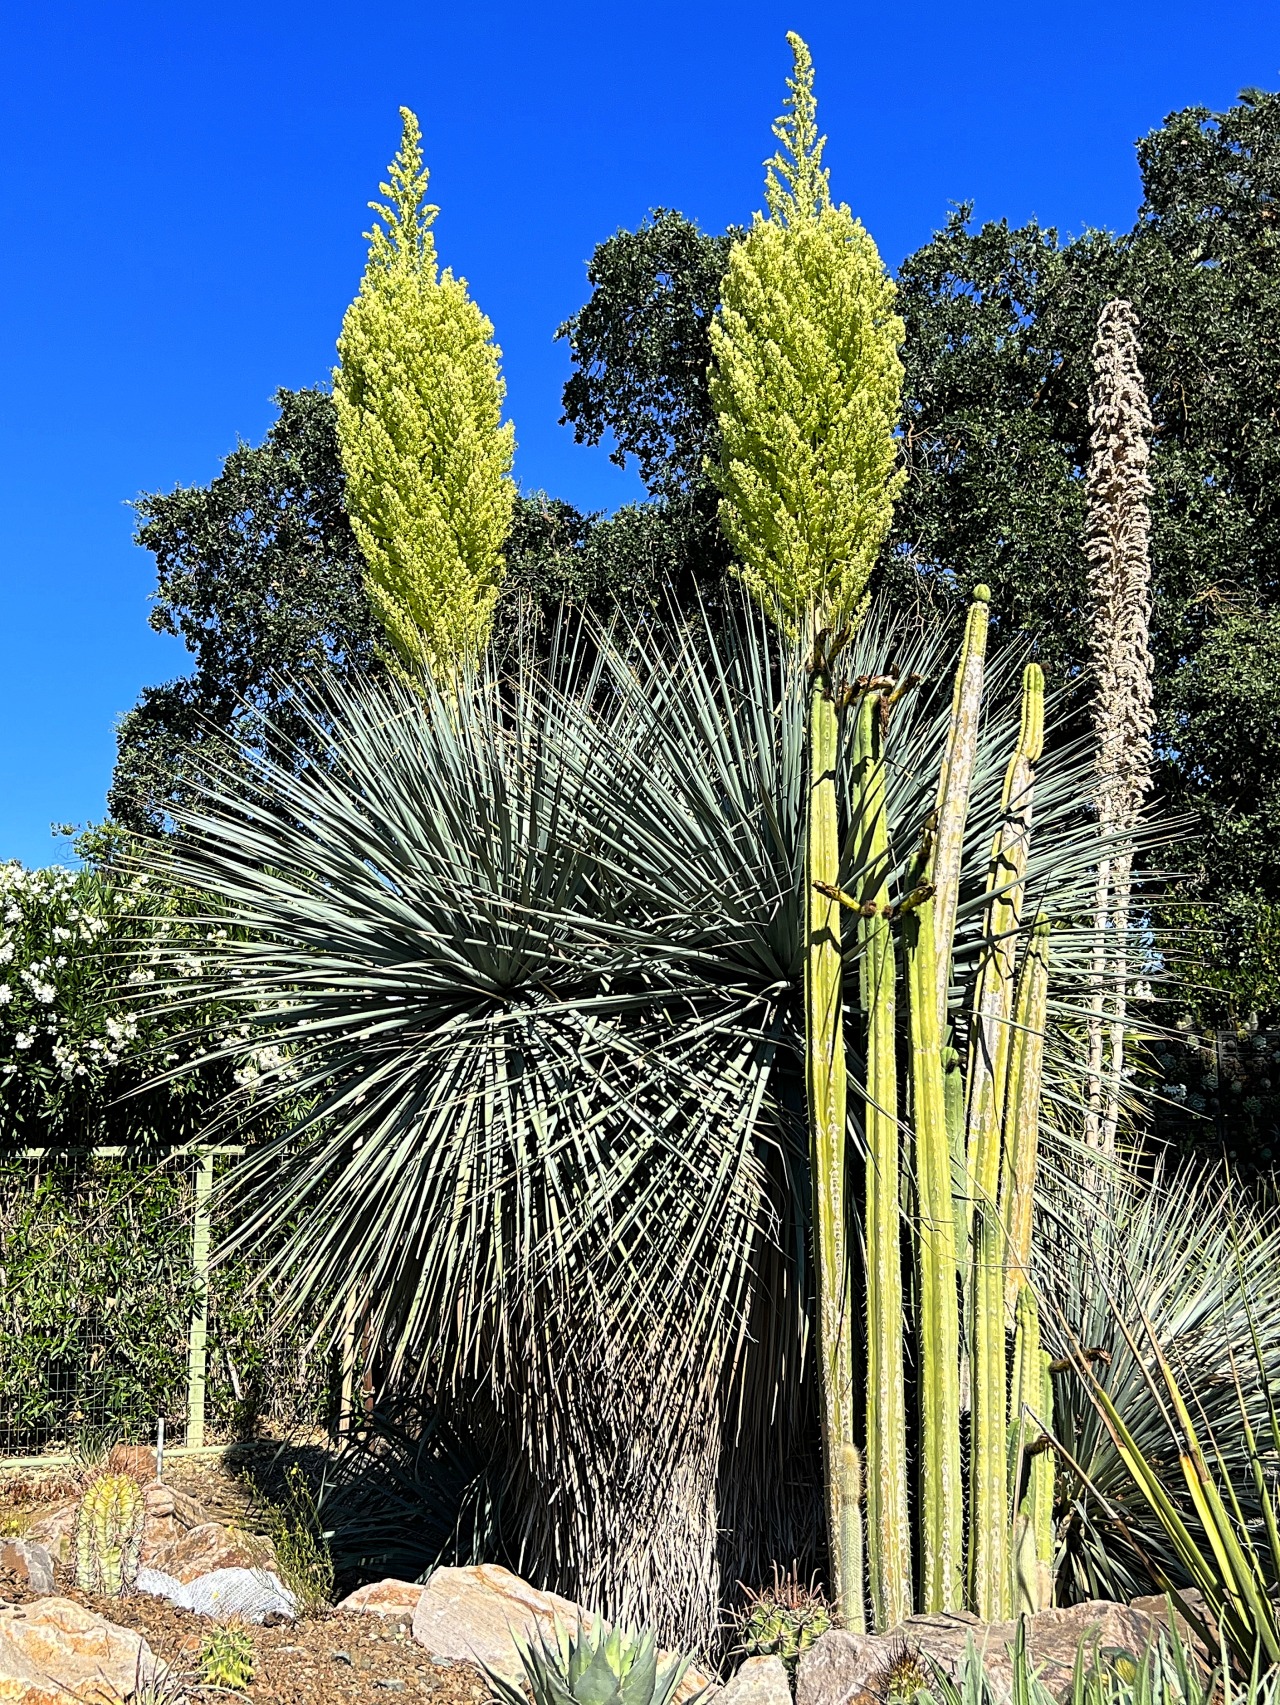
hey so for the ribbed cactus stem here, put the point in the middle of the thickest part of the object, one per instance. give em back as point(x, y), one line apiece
point(109, 1534)
point(852, 1566)
point(954, 783)
point(988, 1472)
point(827, 1092)
point(889, 1532)
point(1031, 1589)
point(989, 1562)
point(993, 998)
point(1022, 1110)
point(1041, 1490)
point(941, 1485)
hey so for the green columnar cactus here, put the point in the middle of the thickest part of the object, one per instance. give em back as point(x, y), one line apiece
point(888, 1526)
point(1031, 1584)
point(954, 783)
point(937, 1099)
point(989, 1564)
point(1022, 1111)
point(993, 999)
point(109, 1534)
point(827, 1100)
point(1041, 1491)
point(941, 1489)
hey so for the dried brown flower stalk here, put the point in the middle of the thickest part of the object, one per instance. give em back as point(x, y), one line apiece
point(1116, 547)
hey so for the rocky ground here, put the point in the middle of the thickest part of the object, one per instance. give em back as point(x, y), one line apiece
point(341, 1658)
point(203, 1534)
point(338, 1659)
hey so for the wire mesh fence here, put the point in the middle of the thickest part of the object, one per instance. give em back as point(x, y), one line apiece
point(112, 1320)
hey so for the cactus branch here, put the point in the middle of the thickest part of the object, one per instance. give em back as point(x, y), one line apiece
point(941, 1487)
point(954, 783)
point(989, 1566)
point(886, 1449)
point(1022, 1109)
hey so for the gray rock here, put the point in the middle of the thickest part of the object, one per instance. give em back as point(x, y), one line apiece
point(156, 1584)
point(943, 1637)
point(837, 1667)
point(250, 1594)
point(760, 1681)
point(29, 1561)
point(1054, 1636)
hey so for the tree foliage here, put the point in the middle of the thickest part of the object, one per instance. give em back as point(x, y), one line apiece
point(259, 574)
point(999, 326)
point(641, 346)
point(419, 399)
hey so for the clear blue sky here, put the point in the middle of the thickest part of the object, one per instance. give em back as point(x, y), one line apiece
point(182, 200)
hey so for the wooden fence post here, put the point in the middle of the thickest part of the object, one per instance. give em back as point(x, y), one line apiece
point(198, 1342)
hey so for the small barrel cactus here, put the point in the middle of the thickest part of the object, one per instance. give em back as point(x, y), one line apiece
point(783, 1620)
point(904, 1677)
point(597, 1666)
point(109, 1534)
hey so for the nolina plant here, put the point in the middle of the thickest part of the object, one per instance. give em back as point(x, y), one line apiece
point(806, 383)
point(550, 1017)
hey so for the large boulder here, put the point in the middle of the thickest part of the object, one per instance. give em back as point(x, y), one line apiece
point(201, 1550)
point(1054, 1636)
point(55, 1652)
point(837, 1668)
point(759, 1681)
point(478, 1615)
point(170, 1515)
point(482, 1615)
point(850, 1669)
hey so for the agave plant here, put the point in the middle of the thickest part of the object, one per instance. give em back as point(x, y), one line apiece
point(522, 969)
point(594, 1666)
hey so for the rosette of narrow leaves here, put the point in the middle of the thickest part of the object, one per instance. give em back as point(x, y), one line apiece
point(1193, 1261)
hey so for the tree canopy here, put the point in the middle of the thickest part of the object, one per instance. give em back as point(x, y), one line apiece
point(259, 574)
